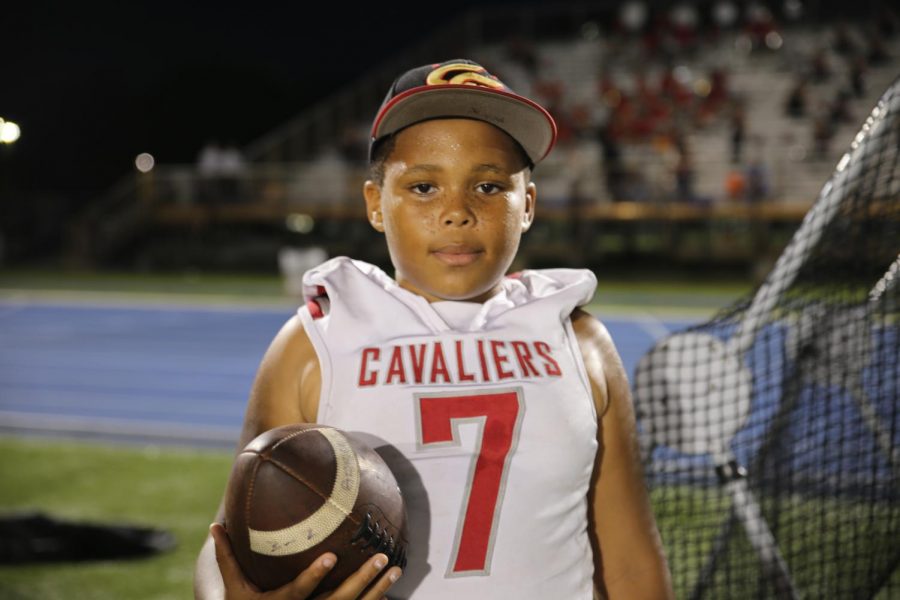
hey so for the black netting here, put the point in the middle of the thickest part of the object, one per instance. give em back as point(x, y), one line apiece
point(771, 434)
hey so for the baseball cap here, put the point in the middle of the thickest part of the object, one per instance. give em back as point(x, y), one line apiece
point(463, 88)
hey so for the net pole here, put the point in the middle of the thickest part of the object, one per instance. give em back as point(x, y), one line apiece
point(720, 544)
point(855, 386)
point(873, 422)
point(745, 508)
point(761, 538)
point(887, 281)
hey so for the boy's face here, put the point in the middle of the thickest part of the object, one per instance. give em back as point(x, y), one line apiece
point(453, 205)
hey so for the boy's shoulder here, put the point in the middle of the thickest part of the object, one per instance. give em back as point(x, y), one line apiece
point(543, 282)
point(340, 266)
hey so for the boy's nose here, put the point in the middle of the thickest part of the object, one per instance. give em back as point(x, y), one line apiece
point(456, 218)
point(457, 213)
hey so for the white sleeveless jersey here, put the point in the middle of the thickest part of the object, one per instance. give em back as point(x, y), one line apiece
point(485, 414)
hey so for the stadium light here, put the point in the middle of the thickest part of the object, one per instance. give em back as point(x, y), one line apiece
point(300, 223)
point(144, 162)
point(9, 132)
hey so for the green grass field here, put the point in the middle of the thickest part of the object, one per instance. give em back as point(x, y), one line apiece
point(819, 526)
point(174, 489)
point(178, 490)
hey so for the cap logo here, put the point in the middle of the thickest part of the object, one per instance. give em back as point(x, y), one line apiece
point(463, 74)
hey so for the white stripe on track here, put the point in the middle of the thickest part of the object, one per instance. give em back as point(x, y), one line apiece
point(651, 325)
point(12, 421)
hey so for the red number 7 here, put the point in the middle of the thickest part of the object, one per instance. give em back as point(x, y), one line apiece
point(500, 415)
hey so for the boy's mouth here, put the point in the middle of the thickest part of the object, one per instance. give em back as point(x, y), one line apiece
point(457, 255)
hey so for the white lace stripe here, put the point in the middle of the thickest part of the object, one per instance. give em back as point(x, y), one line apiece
point(305, 534)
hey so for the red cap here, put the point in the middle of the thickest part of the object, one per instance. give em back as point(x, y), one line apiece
point(462, 88)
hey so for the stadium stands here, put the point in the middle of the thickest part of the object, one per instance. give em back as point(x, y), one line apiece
point(682, 137)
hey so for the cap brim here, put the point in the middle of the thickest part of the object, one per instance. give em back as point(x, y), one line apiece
point(525, 121)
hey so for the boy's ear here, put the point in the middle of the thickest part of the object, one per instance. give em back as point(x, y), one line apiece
point(372, 194)
point(530, 198)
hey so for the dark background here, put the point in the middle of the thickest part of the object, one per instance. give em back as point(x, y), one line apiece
point(94, 84)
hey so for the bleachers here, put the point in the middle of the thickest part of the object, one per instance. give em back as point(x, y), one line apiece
point(302, 168)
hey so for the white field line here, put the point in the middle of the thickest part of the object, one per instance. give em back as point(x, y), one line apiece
point(23, 422)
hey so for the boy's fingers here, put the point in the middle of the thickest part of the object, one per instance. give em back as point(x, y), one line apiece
point(377, 591)
point(353, 586)
point(232, 576)
point(304, 584)
point(309, 579)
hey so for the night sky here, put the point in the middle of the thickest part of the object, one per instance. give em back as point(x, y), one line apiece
point(94, 84)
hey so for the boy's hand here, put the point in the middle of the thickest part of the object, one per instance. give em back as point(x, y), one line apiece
point(238, 588)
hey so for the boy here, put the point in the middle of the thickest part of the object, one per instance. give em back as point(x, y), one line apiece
point(506, 403)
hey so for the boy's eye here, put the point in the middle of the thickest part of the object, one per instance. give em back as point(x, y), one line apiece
point(488, 188)
point(422, 188)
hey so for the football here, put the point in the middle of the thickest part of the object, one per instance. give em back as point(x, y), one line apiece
point(300, 490)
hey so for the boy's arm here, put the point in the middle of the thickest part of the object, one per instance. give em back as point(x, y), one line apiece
point(285, 391)
point(628, 554)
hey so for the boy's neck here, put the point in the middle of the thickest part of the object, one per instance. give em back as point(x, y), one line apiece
point(480, 299)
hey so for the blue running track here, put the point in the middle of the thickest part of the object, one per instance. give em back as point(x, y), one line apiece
point(159, 373)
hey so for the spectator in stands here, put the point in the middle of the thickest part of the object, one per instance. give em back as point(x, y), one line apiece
point(822, 131)
point(795, 106)
point(683, 27)
point(735, 185)
point(840, 108)
point(759, 24)
point(715, 97)
point(232, 171)
point(684, 172)
point(843, 41)
point(353, 145)
point(718, 86)
point(519, 49)
point(209, 159)
point(566, 126)
point(552, 94)
point(613, 170)
point(635, 187)
point(622, 118)
point(820, 67)
point(858, 75)
point(737, 123)
point(209, 168)
point(877, 53)
point(759, 185)
point(673, 89)
point(608, 93)
point(652, 37)
point(655, 108)
point(888, 21)
point(757, 176)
